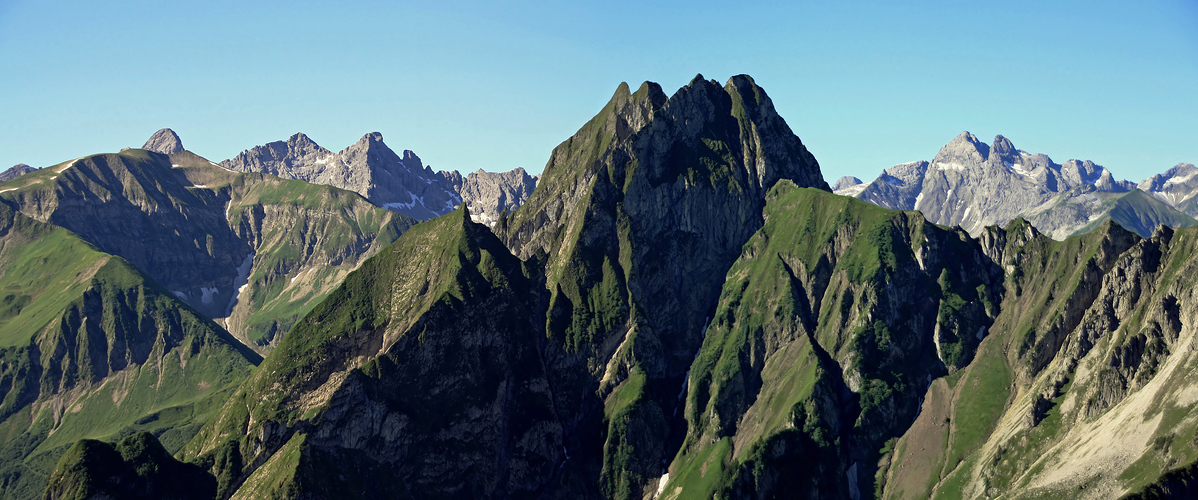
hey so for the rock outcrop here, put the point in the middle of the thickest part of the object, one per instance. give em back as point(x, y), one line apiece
point(164, 141)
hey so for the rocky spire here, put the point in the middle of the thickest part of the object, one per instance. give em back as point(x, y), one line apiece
point(164, 141)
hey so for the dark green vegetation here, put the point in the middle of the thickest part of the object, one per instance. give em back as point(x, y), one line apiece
point(136, 468)
point(92, 348)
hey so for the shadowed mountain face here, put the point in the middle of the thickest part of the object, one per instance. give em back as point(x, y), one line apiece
point(399, 183)
point(972, 185)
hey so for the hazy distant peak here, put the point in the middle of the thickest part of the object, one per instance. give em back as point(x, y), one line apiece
point(844, 182)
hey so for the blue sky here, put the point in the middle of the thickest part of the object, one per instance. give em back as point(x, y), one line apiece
point(866, 85)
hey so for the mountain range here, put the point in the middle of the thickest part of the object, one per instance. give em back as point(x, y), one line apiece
point(682, 308)
point(399, 183)
point(973, 185)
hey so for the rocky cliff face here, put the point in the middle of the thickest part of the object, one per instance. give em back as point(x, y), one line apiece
point(91, 347)
point(490, 194)
point(973, 185)
point(16, 171)
point(399, 183)
point(252, 248)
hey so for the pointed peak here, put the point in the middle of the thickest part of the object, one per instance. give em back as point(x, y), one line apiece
point(372, 137)
point(300, 138)
point(164, 141)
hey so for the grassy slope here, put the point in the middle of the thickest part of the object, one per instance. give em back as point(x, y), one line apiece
point(178, 362)
point(774, 307)
point(1140, 213)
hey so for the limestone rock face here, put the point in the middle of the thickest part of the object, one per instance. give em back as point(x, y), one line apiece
point(489, 194)
point(16, 171)
point(972, 184)
point(368, 167)
point(164, 141)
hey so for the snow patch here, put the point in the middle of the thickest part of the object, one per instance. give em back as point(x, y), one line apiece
point(661, 485)
point(207, 294)
point(1179, 180)
point(918, 200)
point(174, 165)
point(852, 191)
point(200, 185)
point(7, 190)
point(69, 165)
point(181, 295)
point(1018, 168)
point(241, 282)
point(950, 166)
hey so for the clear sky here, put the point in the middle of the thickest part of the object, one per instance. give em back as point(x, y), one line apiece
point(866, 85)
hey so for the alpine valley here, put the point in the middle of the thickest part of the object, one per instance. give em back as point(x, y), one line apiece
point(681, 308)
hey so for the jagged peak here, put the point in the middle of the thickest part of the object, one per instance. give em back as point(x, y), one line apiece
point(164, 141)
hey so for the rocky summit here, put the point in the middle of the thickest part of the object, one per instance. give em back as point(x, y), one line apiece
point(973, 185)
point(164, 141)
point(401, 183)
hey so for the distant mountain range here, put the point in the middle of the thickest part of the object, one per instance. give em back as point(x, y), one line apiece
point(973, 185)
point(399, 183)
